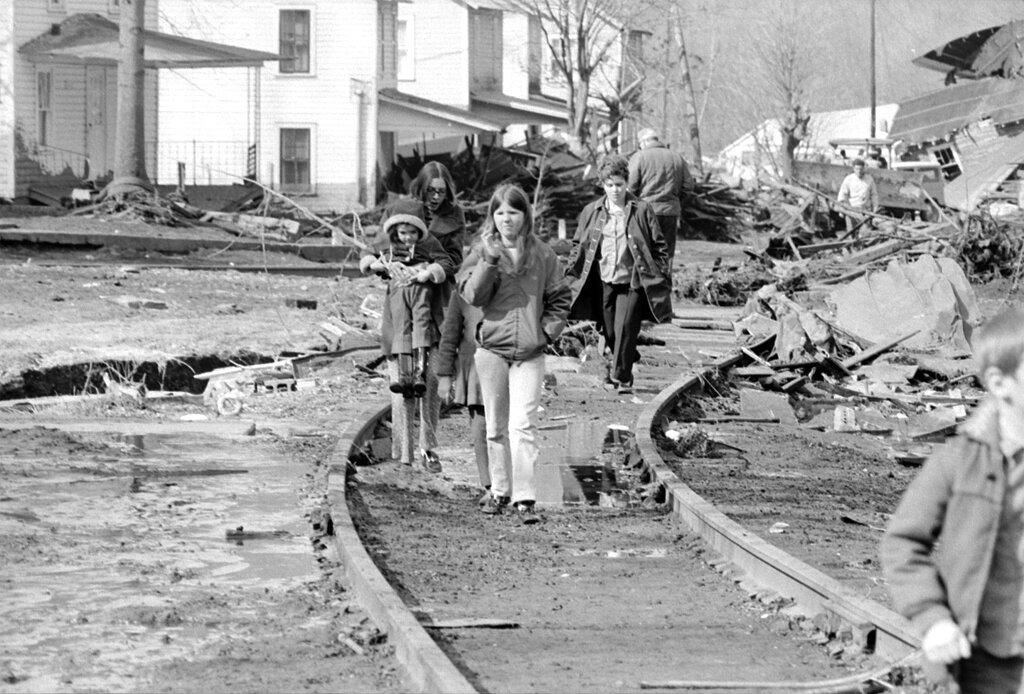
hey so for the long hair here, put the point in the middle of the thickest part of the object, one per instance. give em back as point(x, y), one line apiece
point(514, 196)
point(428, 172)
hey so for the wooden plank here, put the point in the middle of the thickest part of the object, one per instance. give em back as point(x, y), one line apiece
point(471, 623)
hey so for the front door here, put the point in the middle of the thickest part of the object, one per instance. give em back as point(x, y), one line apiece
point(100, 118)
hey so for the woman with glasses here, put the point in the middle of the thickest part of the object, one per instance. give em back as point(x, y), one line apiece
point(433, 186)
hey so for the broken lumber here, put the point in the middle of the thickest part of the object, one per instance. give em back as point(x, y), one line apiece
point(873, 352)
point(469, 623)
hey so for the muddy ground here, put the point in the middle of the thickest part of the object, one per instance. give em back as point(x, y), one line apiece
point(67, 511)
point(621, 581)
point(118, 575)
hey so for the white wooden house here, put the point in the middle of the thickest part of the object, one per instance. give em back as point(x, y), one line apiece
point(58, 89)
point(361, 81)
point(482, 56)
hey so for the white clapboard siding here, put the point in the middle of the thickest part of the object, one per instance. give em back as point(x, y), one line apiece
point(29, 19)
point(441, 38)
point(213, 105)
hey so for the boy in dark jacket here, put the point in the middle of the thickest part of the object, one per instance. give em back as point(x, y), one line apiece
point(413, 264)
point(952, 553)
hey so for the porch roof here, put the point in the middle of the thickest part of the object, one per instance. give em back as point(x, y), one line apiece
point(400, 112)
point(92, 39)
point(507, 109)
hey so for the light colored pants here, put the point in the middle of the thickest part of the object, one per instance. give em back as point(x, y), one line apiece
point(429, 407)
point(511, 394)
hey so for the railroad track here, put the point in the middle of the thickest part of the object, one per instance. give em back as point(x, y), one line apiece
point(581, 577)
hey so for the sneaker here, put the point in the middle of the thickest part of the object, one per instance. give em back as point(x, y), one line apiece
point(527, 515)
point(625, 387)
point(431, 462)
point(494, 506)
point(485, 497)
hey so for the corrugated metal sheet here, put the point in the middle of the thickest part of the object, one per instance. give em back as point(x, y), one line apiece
point(934, 116)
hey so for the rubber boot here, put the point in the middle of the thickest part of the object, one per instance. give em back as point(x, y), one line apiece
point(405, 386)
point(396, 378)
point(419, 381)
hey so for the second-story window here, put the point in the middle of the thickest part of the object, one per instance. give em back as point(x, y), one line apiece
point(405, 63)
point(294, 44)
point(44, 92)
point(485, 35)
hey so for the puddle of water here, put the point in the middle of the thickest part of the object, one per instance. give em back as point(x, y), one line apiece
point(575, 472)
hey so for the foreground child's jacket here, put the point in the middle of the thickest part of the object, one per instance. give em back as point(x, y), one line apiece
point(957, 498)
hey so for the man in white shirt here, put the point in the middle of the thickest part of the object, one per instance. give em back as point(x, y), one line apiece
point(858, 192)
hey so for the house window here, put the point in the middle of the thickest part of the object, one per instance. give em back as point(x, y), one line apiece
point(44, 91)
point(294, 43)
point(948, 161)
point(485, 59)
point(534, 53)
point(295, 159)
point(387, 50)
point(55, 5)
point(561, 46)
point(404, 49)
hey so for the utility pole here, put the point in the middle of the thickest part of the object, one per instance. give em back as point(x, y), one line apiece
point(664, 86)
point(873, 130)
point(691, 100)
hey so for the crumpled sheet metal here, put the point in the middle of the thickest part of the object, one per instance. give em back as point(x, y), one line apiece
point(932, 295)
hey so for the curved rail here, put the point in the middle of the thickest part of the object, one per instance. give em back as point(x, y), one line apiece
point(764, 564)
point(426, 665)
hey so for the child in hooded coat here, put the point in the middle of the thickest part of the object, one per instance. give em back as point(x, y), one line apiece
point(414, 264)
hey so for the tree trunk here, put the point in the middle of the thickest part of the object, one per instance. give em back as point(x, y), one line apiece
point(580, 115)
point(129, 139)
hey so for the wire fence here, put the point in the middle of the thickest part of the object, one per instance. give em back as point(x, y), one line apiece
point(206, 162)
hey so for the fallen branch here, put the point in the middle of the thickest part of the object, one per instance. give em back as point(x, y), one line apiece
point(335, 230)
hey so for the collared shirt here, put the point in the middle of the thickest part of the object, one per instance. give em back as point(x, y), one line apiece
point(616, 258)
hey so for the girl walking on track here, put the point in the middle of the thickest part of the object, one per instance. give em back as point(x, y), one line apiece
point(520, 286)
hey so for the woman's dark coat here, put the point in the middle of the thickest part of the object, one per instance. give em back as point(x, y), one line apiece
point(650, 262)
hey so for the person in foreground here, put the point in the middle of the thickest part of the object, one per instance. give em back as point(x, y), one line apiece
point(620, 265)
point(952, 553)
point(520, 286)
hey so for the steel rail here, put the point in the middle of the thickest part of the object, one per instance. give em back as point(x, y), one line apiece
point(763, 565)
point(427, 667)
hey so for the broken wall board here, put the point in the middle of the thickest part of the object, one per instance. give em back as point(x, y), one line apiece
point(931, 297)
point(761, 404)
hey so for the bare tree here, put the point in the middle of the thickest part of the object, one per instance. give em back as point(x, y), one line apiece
point(787, 84)
point(580, 35)
point(129, 140)
point(678, 81)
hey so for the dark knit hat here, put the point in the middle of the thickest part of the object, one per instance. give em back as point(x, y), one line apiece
point(405, 211)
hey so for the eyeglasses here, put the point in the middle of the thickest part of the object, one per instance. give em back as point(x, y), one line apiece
point(440, 192)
